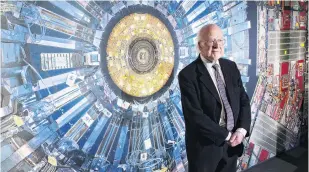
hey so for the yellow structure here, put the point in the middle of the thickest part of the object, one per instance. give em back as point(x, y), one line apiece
point(157, 56)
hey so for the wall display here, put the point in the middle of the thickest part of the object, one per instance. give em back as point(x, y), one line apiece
point(92, 85)
point(278, 116)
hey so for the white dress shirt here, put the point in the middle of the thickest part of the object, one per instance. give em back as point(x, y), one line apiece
point(208, 64)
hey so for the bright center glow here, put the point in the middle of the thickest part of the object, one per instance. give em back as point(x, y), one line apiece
point(152, 44)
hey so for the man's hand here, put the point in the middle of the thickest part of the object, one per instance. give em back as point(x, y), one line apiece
point(236, 138)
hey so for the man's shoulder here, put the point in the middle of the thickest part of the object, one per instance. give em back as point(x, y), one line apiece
point(227, 61)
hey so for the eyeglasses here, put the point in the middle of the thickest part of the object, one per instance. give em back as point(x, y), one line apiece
point(211, 42)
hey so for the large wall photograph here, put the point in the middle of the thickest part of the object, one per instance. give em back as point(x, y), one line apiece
point(93, 85)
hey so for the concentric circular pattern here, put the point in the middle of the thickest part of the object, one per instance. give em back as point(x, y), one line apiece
point(143, 55)
point(140, 54)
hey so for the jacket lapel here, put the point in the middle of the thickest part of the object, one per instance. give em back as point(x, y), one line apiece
point(206, 79)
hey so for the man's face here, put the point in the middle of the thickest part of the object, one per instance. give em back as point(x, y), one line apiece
point(211, 44)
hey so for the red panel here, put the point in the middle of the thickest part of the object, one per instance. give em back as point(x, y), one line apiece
point(284, 77)
point(263, 155)
point(284, 85)
point(286, 20)
point(299, 74)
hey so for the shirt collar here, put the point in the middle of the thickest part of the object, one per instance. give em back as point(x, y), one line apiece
point(209, 63)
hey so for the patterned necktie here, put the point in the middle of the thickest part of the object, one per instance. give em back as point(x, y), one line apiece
point(222, 93)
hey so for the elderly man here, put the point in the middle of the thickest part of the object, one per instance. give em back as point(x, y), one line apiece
point(215, 106)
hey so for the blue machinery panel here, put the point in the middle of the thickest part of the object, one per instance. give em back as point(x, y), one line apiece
point(59, 107)
point(53, 83)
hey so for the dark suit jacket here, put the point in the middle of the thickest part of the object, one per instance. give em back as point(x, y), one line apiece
point(202, 108)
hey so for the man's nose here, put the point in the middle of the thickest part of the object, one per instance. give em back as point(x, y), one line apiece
point(215, 44)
